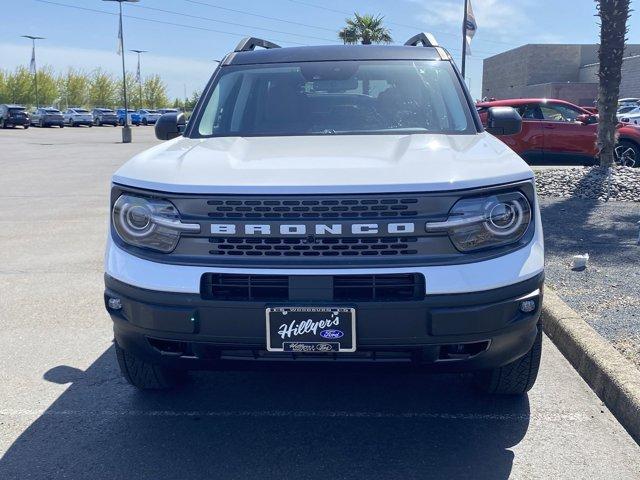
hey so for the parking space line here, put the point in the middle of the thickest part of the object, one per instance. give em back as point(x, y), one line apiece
point(551, 416)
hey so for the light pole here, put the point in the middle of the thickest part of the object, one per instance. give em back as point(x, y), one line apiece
point(126, 128)
point(138, 76)
point(32, 65)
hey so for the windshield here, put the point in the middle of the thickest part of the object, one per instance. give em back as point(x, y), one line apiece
point(346, 97)
point(81, 110)
point(16, 109)
point(106, 111)
point(51, 110)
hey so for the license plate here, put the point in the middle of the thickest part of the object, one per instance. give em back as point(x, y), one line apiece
point(311, 329)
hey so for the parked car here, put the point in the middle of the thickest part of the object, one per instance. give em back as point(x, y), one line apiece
point(77, 116)
point(626, 109)
point(630, 116)
point(13, 115)
point(555, 131)
point(162, 111)
point(148, 117)
point(629, 101)
point(104, 116)
point(368, 225)
point(47, 117)
point(133, 117)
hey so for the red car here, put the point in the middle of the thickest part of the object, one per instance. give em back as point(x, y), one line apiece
point(555, 131)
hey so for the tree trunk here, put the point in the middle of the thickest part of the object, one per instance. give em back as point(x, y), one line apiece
point(613, 29)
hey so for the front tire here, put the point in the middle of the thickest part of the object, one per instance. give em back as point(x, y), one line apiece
point(627, 154)
point(144, 375)
point(515, 378)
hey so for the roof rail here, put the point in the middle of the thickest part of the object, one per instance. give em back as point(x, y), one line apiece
point(426, 39)
point(250, 43)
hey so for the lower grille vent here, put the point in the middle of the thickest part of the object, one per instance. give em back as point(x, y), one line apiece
point(378, 288)
point(224, 286)
point(346, 288)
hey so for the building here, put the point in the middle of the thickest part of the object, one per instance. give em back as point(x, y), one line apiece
point(564, 71)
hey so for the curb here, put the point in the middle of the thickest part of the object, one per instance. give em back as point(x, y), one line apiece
point(612, 377)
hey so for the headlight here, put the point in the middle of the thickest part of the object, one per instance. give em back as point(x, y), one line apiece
point(149, 223)
point(489, 221)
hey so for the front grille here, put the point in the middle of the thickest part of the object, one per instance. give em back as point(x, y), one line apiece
point(317, 247)
point(294, 231)
point(313, 208)
point(344, 288)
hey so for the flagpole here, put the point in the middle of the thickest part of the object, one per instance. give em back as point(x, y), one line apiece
point(125, 126)
point(138, 76)
point(35, 70)
point(464, 37)
point(33, 65)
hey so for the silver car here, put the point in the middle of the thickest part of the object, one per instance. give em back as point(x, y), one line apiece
point(78, 116)
point(148, 117)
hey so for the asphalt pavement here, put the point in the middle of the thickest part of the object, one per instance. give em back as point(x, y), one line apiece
point(65, 412)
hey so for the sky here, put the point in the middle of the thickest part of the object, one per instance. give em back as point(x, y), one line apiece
point(183, 37)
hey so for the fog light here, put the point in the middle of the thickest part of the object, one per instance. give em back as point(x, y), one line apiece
point(527, 306)
point(114, 303)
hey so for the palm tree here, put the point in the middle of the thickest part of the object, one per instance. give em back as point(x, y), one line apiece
point(613, 30)
point(365, 28)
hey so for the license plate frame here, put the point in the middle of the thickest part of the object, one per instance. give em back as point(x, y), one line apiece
point(331, 338)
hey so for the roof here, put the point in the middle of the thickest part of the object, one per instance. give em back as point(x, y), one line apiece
point(332, 52)
point(513, 102)
point(519, 101)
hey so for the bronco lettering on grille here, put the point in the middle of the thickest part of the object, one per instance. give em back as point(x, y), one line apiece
point(317, 229)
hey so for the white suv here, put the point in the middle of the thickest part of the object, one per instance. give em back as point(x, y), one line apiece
point(328, 204)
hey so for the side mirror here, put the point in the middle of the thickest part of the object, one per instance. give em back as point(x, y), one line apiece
point(587, 119)
point(170, 125)
point(503, 121)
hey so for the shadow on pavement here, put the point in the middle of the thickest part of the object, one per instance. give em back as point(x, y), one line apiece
point(263, 423)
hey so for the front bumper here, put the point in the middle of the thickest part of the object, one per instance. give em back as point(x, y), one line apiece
point(81, 121)
point(450, 332)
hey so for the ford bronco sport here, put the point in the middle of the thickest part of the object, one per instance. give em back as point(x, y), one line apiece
point(328, 204)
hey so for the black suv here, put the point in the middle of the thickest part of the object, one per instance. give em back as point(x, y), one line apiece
point(12, 115)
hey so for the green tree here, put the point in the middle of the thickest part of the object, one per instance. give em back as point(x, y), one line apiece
point(613, 31)
point(177, 103)
point(155, 92)
point(4, 95)
point(133, 91)
point(48, 92)
point(191, 103)
point(102, 89)
point(366, 29)
point(19, 87)
point(74, 88)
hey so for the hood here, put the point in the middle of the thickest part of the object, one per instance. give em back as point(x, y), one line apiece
point(324, 164)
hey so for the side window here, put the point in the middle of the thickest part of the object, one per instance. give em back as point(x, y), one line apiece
point(559, 113)
point(529, 112)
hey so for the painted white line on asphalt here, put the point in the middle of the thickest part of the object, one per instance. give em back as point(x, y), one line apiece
point(557, 417)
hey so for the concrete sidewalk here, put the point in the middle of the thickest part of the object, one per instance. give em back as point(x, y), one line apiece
point(65, 412)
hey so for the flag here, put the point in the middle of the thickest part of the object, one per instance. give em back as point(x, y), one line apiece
point(138, 71)
point(470, 26)
point(119, 51)
point(32, 65)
